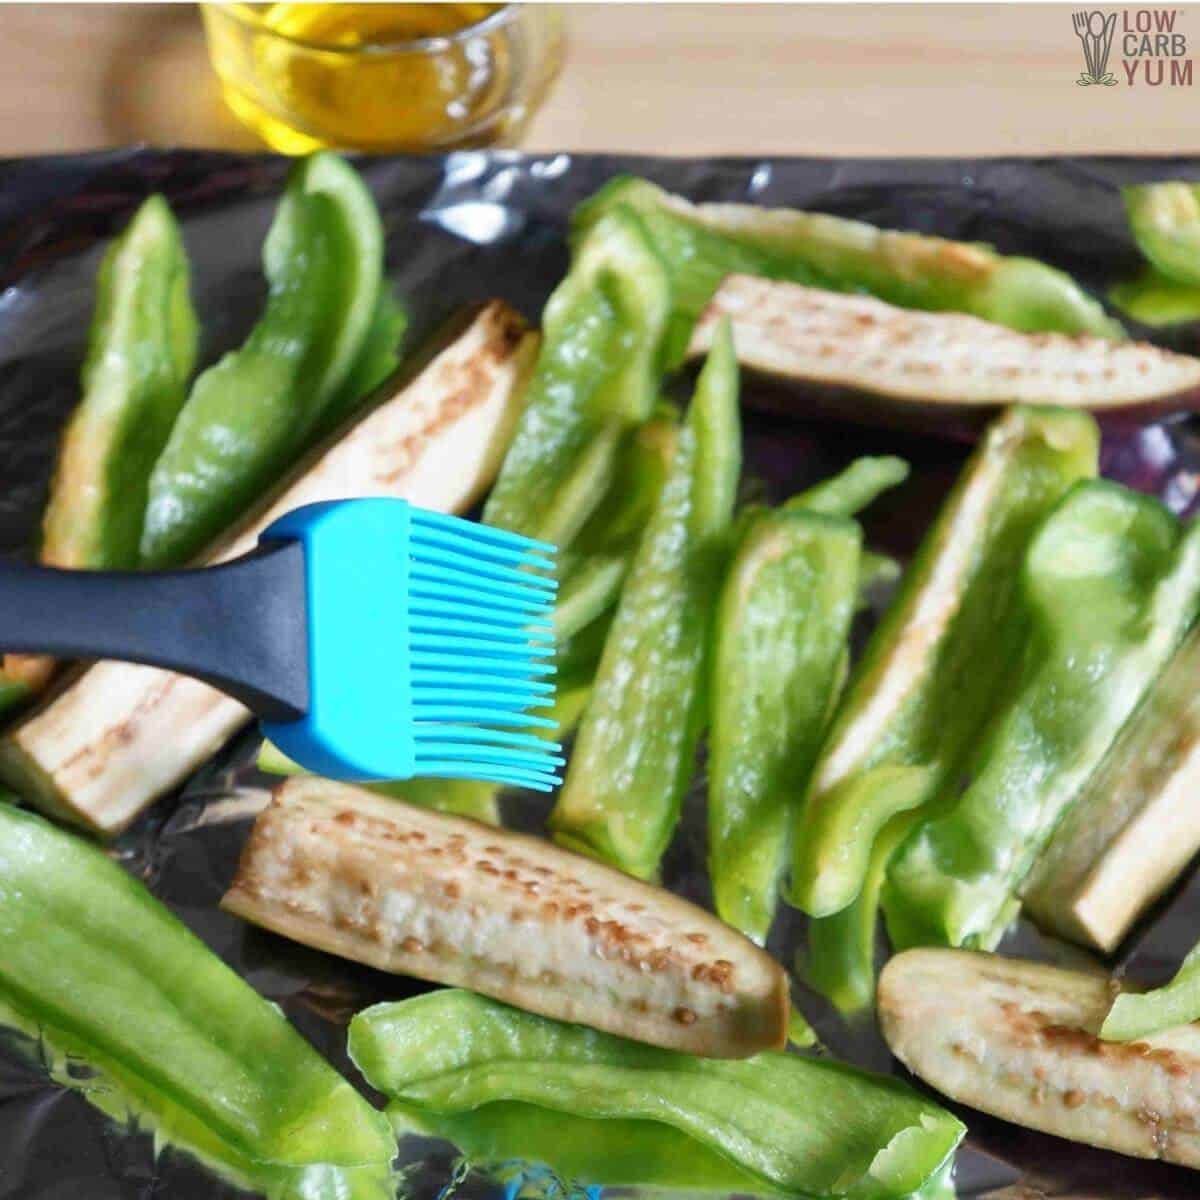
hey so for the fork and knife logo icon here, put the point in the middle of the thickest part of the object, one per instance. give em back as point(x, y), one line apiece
point(1095, 31)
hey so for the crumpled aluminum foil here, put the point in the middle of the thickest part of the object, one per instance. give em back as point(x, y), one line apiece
point(460, 229)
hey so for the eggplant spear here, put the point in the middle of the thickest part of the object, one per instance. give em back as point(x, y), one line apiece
point(1020, 1040)
point(422, 893)
point(862, 359)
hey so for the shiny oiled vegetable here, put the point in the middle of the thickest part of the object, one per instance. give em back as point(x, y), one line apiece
point(597, 375)
point(1019, 1040)
point(1137, 1015)
point(248, 416)
point(593, 571)
point(797, 1125)
point(1153, 299)
point(1165, 219)
point(931, 672)
point(704, 243)
point(104, 975)
point(783, 619)
point(780, 650)
point(925, 687)
point(855, 357)
point(141, 350)
point(515, 917)
point(1135, 826)
point(1111, 584)
point(636, 744)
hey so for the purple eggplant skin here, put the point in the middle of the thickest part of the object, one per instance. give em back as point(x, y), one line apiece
point(854, 358)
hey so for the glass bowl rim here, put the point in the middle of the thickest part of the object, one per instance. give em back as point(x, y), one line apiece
point(249, 17)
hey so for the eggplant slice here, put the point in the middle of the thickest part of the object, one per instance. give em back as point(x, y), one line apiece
point(1135, 826)
point(117, 736)
point(862, 359)
point(1019, 1040)
point(417, 892)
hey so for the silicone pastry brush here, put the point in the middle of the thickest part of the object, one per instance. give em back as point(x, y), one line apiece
point(375, 640)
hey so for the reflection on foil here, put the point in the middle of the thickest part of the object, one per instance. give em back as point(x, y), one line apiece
point(478, 221)
point(460, 229)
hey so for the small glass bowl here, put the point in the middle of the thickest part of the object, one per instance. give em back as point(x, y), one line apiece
point(475, 86)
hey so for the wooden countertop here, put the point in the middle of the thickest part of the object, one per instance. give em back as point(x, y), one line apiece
point(676, 79)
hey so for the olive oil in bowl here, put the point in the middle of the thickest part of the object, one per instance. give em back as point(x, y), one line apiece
point(383, 77)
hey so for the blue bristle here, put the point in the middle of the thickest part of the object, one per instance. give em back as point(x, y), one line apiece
point(438, 543)
point(457, 643)
point(425, 592)
point(508, 631)
point(492, 755)
point(480, 713)
point(451, 683)
point(480, 637)
point(474, 734)
point(534, 781)
point(424, 519)
point(521, 585)
point(483, 580)
point(465, 664)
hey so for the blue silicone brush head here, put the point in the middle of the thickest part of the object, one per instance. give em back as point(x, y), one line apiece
point(430, 646)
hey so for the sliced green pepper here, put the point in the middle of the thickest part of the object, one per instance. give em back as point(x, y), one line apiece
point(101, 973)
point(634, 753)
point(141, 351)
point(783, 620)
point(1155, 300)
point(1111, 585)
point(924, 689)
point(703, 243)
point(376, 361)
point(840, 958)
point(596, 375)
point(595, 569)
point(798, 1125)
point(1137, 1015)
point(851, 490)
point(251, 413)
point(1165, 219)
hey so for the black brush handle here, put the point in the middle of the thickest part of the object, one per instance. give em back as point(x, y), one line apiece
point(241, 626)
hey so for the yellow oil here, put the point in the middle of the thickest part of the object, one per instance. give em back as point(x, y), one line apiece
point(306, 76)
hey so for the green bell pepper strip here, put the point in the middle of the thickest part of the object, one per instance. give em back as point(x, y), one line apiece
point(593, 572)
point(1135, 1015)
point(596, 376)
point(797, 1125)
point(1165, 220)
point(783, 621)
point(636, 744)
point(376, 361)
point(840, 959)
point(505, 1139)
point(251, 413)
point(1111, 585)
point(141, 351)
point(703, 243)
point(1155, 300)
point(923, 690)
point(853, 489)
point(101, 973)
